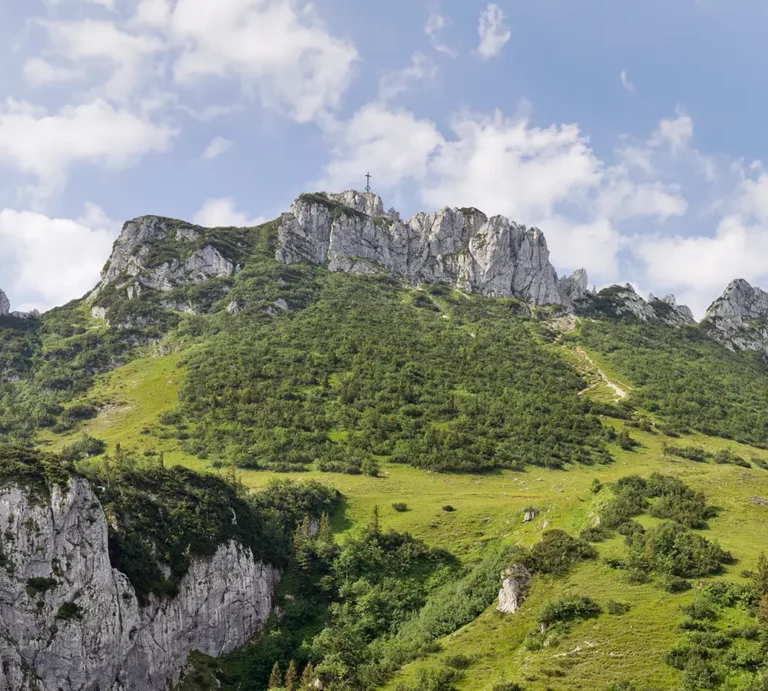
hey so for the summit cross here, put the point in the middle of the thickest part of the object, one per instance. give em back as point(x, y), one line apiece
point(368, 182)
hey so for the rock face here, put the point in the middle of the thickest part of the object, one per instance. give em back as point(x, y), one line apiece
point(462, 247)
point(139, 258)
point(515, 584)
point(739, 317)
point(5, 304)
point(69, 621)
point(623, 301)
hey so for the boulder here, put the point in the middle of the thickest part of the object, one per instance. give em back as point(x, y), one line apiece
point(515, 584)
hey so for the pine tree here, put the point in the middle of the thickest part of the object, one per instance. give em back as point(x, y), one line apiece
point(275, 679)
point(302, 543)
point(308, 678)
point(375, 520)
point(291, 677)
point(761, 576)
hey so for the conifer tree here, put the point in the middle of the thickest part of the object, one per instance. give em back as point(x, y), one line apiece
point(275, 679)
point(291, 677)
point(302, 543)
point(761, 576)
point(307, 678)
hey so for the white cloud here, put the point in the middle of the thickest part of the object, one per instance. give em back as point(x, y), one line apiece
point(493, 30)
point(676, 132)
point(153, 13)
point(84, 47)
point(221, 213)
point(394, 144)
point(507, 167)
point(218, 147)
point(109, 4)
point(628, 85)
point(39, 71)
point(282, 55)
point(398, 81)
point(622, 198)
point(434, 27)
point(49, 261)
point(48, 145)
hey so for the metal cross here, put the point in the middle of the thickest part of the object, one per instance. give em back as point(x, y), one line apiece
point(368, 181)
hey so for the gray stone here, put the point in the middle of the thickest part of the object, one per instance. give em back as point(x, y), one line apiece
point(737, 319)
point(117, 644)
point(131, 261)
point(529, 515)
point(461, 247)
point(515, 585)
point(5, 304)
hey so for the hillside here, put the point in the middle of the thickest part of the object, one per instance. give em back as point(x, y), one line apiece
point(474, 410)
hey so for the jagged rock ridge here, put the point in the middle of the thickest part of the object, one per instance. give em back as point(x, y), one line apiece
point(71, 622)
point(462, 247)
point(623, 301)
point(159, 254)
point(739, 317)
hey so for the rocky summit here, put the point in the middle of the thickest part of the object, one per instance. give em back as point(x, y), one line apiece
point(739, 317)
point(461, 247)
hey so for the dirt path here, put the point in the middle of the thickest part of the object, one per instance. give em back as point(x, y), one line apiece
point(620, 393)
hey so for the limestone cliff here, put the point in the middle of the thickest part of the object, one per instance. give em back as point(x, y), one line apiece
point(739, 317)
point(70, 621)
point(622, 301)
point(160, 254)
point(462, 247)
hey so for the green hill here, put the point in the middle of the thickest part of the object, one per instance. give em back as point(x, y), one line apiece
point(442, 418)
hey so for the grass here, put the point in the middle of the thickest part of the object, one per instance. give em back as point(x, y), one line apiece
point(489, 509)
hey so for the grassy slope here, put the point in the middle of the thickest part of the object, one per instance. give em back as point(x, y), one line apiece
point(489, 508)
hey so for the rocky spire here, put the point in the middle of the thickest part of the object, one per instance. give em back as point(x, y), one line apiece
point(462, 247)
point(5, 304)
point(737, 317)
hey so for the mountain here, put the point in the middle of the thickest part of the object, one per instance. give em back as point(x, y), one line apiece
point(539, 486)
point(738, 317)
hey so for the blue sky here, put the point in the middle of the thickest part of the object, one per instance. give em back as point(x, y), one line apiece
point(630, 133)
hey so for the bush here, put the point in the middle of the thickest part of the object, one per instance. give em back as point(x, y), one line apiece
point(557, 551)
point(673, 584)
point(69, 611)
point(700, 609)
point(617, 608)
point(448, 508)
point(569, 608)
point(595, 534)
point(400, 506)
point(458, 661)
point(672, 549)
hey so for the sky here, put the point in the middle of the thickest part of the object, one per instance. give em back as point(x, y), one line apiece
point(631, 133)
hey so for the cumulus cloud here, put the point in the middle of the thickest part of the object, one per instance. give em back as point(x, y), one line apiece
point(676, 132)
point(282, 55)
point(493, 30)
point(218, 147)
point(701, 265)
point(395, 82)
point(222, 213)
point(47, 145)
point(436, 23)
point(49, 261)
point(79, 49)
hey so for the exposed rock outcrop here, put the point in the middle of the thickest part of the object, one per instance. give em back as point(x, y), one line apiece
point(515, 584)
point(5, 304)
point(623, 301)
point(462, 247)
point(69, 621)
point(140, 258)
point(739, 317)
